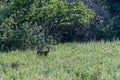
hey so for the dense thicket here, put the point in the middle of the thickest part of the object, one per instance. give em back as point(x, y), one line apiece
point(31, 23)
point(106, 22)
point(35, 23)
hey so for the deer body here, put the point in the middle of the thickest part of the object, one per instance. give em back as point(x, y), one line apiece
point(41, 52)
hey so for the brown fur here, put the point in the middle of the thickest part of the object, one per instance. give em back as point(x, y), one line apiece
point(41, 52)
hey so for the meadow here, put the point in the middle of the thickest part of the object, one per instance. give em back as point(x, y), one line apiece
point(66, 61)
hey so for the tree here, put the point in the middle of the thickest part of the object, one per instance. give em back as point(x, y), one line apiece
point(46, 14)
point(106, 20)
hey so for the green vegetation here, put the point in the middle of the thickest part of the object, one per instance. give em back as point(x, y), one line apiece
point(67, 61)
point(31, 23)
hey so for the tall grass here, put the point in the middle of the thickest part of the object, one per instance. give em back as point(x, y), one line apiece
point(67, 61)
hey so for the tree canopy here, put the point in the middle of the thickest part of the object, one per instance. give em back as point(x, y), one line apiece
point(47, 14)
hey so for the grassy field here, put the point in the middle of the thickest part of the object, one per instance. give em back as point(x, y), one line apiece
point(67, 61)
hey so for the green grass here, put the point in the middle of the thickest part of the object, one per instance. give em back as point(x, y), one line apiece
point(67, 61)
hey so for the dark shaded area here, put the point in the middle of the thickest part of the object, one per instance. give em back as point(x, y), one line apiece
point(69, 33)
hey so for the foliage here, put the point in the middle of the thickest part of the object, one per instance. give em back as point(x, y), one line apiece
point(24, 22)
point(68, 61)
point(106, 20)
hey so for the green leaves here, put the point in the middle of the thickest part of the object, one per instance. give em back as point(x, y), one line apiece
point(80, 13)
point(53, 10)
point(21, 19)
point(66, 12)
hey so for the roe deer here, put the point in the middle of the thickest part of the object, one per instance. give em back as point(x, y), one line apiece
point(41, 52)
